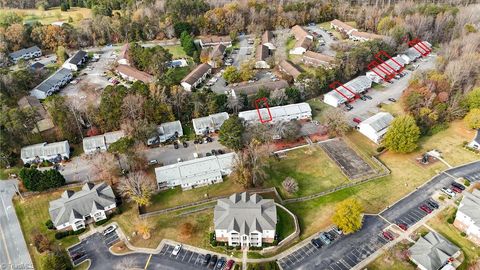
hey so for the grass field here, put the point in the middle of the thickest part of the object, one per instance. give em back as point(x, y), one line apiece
point(311, 167)
point(51, 15)
point(174, 197)
point(318, 108)
point(285, 225)
point(392, 259)
point(394, 108)
point(470, 251)
point(176, 51)
point(32, 214)
point(177, 74)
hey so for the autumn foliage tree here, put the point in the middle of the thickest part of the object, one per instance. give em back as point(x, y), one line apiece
point(402, 135)
point(348, 215)
point(138, 187)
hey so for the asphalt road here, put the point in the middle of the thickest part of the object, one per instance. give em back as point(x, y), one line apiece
point(348, 251)
point(13, 249)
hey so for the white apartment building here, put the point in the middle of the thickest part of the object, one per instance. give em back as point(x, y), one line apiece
point(285, 113)
point(376, 126)
point(53, 152)
point(468, 216)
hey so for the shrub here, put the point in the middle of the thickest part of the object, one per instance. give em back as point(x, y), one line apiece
point(60, 235)
point(41, 242)
point(49, 224)
point(441, 198)
point(466, 183)
point(290, 185)
point(101, 222)
point(450, 220)
point(36, 180)
point(380, 148)
point(463, 234)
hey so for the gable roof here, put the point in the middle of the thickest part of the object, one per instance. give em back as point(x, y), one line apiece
point(217, 51)
point(262, 53)
point(75, 205)
point(245, 213)
point(124, 52)
point(267, 37)
point(277, 112)
point(432, 251)
point(21, 52)
point(197, 73)
point(378, 122)
point(135, 73)
point(45, 149)
point(77, 58)
point(342, 25)
point(289, 68)
point(299, 32)
point(470, 205)
point(318, 57)
point(304, 42)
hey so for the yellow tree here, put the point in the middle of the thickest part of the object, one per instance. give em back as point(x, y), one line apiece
point(348, 215)
point(144, 228)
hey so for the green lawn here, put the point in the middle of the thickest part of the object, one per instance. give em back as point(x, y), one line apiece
point(176, 196)
point(52, 15)
point(393, 259)
point(5, 173)
point(32, 214)
point(318, 108)
point(285, 225)
point(176, 51)
point(177, 74)
point(470, 251)
point(311, 167)
point(394, 108)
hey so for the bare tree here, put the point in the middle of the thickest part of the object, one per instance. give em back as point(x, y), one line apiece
point(127, 263)
point(137, 186)
point(105, 167)
point(336, 121)
point(290, 185)
point(132, 107)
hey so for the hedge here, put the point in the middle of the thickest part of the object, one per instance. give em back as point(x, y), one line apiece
point(63, 234)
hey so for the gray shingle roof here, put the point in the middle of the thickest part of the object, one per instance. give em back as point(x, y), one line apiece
point(245, 213)
point(77, 58)
point(432, 251)
point(197, 73)
point(21, 52)
point(213, 121)
point(47, 85)
point(74, 205)
point(470, 205)
point(45, 149)
point(379, 121)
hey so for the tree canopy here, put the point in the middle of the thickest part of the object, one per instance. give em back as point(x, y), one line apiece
point(472, 119)
point(348, 215)
point(231, 132)
point(402, 135)
point(36, 180)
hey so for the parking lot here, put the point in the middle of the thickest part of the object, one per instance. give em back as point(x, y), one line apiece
point(185, 256)
point(343, 253)
point(245, 51)
point(80, 252)
point(325, 49)
point(348, 160)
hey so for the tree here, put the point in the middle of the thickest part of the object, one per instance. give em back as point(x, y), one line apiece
point(472, 119)
point(348, 215)
point(402, 135)
point(290, 185)
point(289, 131)
point(62, 55)
point(57, 259)
point(137, 186)
point(144, 227)
point(231, 132)
point(186, 40)
point(246, 71)
point(250, 163)
point(40, 241)
point(231, 74)
point(36, 180)
point(473, 98)
point(336, 121)
point(63, 117)
point(121, 146)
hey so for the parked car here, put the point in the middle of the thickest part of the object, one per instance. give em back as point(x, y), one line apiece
point(448, 191)
point(76, 256)
point(214, 152)
point(209, 139)
point(368, 97)
point(152, 162)
point(456, 190)
point(432, 204)
point(324, 239)
point(348, 106)
point(330, 236)
point(175, 145)
point(185, 144)
point(176, 250)
point(213, 261)
point(229, 265)
point(403, 226)
point(392, 99)
point(110, 229)
point(220, 264)
point(220, 152)
point(457, 185)
point(363, 98)
point(337, 230)
point(206, 259)
point(208, 154)
point(388, 235)
point(425, 208)
point(356, 120)
point(316, 242)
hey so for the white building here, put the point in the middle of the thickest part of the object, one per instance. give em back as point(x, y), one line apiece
point(285, 113)
point(76, 61)
point(196, 77)
point(76, 209)
point(475, 143)
point(209, 124)
point(468, 216)
point(52, 84)
point(376, 126)
point(209, 41)
point(433, 252)
point(122, 58)
point(196, 172)
point(26, 54)
point(165, 131)
point(267, 40)
point(317, 59)
point(100, 143)
point(415, 52)
point(53, 152)
point(343, 94)
point(391, 66)
point(245, 220)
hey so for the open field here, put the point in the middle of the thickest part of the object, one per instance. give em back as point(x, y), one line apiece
point(176, 196)
point(285, 225)
point(311, 167)
point(176, 51)
point(393, 259)
point(318, 108)
point(394, 108)
point(32, 213)
point(440, 224)
point(51, 15)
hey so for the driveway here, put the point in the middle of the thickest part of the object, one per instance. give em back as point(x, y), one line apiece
point(364, 109)
point(326, 49)
point(13, 249)
point(244, 48)
point(350, 250)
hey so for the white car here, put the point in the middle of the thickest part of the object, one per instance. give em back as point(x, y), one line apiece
point(176, 250)
point(110, 229)
point(448, 191)
point(152, 162)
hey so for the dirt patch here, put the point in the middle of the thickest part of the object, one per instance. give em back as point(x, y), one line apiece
point(120, 248)
point(351, 164)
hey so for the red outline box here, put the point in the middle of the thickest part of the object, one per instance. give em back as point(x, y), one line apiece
point(387, 75)
point(384, 53)
point(259, 101)
point(333, 87)
point(420, 44)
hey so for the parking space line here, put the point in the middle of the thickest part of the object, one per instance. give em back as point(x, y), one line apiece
point(350, 262)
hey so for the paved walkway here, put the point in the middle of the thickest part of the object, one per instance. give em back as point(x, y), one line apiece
point(244, 258)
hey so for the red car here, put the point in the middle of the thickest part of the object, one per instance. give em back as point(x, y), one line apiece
point(388, 235)
point(356, 120)
point(403, 226)
point(229, 265)
point(425, 209)
point(456, 189)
